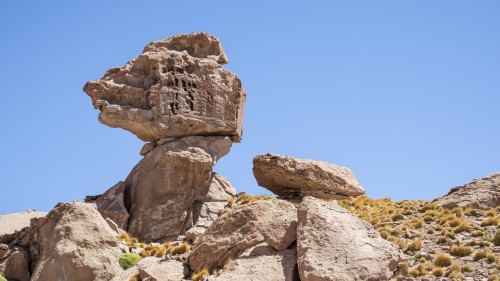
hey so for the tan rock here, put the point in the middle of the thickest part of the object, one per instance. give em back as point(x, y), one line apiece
point(111, 205)
point(272, 221)
point(333, 244)
point(11, 223)
point(161, 189)
point(126, 275)
point(483, 193)
point(14, 263)
point(164, 271)
point(293, 177)
point(175, 88)
point(73, 242)
point(208, 205)
point(262, 263)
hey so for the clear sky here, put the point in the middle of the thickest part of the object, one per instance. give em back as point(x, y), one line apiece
point(405, 93)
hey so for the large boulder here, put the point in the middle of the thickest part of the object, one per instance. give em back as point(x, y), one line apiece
point(209, 203)
point(333, 244)
point(12, 223)
point(175, 88)
point(293, 177)
point(483, 193)
point(111, 204)
point(270, 221)
point(262, 263)
point(162, 187)
point(73, 242)
point(14, 262)
point(164, 271)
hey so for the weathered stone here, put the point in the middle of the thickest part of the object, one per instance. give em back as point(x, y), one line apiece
point(164, 271)
point(272, 221)
point(293, 177)
point(12, 223)
point(147, 148)
point(111, 205)
point(161, 189)
point(481, 193)
point(126, 275)
point(175, 88)
point(209, 204)
point(14, 263)
point(262, 263)
point(73, 242)
point(333, 244)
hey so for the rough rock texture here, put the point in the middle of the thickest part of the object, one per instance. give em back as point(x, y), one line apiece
point(126, 275)
point(161, 189)
point(11, 223)
point(175, 88)
point(165, 271)
point(481, 193)
point(209, 204)
point(110, 205)
point(272, 221)
point(333, 244)
point(262, 263)
point(73, 242)
point(14, 263)
point(293, 177)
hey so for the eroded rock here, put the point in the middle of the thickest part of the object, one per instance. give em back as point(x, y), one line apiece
point(483, 193)
point(270, 221)
point(111, 205)
point(333, 244)
point(175, 88)
point(162, 187)
point(73, 242)
point(164, 271)
point(14, 262)
point(293, 177)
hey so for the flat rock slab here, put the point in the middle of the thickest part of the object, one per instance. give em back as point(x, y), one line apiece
point(294, 177)
point(164, 271)
point(483, 193)
point(175, 88)
point(335, 245)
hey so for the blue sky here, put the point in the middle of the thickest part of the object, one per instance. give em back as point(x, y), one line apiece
point(405, 93)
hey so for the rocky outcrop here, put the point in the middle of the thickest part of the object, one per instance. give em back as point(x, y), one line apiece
point(175, 88)
point(293, 177)
point(333, 244)
point(110, 205)
point(164, 271)
point(73, 242)
point(209, 203)
point(270, 221)
point(262, 263)
point(12, 223)
point(483, 193)
point(161, 189)
point(14, 263)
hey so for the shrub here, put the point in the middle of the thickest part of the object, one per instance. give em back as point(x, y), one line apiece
point(496, 239)
point(491, 221)
point(430, 230)
point(442, 259)
point(181, 249)
point(467, 268)
point(199, 275)
point(461, 228)
point(2, 278)
point(136, 277)
point(127, 260)
point(415, 246)
point(441, 239)
point(480, 254)
point(414, 272)
point(461, 250)
point(438, 272)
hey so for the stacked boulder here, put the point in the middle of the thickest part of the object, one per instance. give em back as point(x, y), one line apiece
point(176, 96)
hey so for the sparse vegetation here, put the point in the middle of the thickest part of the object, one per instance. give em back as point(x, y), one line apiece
point(127, 260)
point(442, 260)
point(461, 250)
point(199, 275)
point(496, 238)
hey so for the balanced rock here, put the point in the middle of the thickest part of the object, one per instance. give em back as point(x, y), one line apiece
point(209, 203)
point(73, 242)
point(262, 263)
point(333, 244)
point(483, 193)
point(293, 177)
point(271, 221)
point(162, 187)
point(175, 88)
point(111, 205)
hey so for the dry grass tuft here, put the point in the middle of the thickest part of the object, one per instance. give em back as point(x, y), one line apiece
point(442, 260)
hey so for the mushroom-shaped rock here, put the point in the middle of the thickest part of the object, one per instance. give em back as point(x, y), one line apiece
point(175, 88)
point(334, 245)
point(483, 193)
point(294, 177)
point(73, 242)
point(271, 221)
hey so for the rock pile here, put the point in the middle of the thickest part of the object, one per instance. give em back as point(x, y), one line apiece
point(177, 96)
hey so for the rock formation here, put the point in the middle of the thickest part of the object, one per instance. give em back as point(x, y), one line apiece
point(293, 177)
point(177, 96)
point(333, 244)
point(175, 88)
point(270, 221)
point(483, 193)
